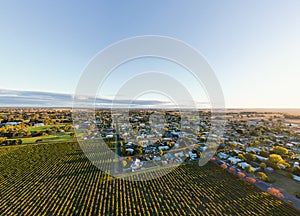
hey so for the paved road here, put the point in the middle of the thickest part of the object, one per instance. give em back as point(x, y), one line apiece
point(118, 165)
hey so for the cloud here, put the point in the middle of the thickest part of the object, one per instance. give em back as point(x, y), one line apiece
point(16, 98)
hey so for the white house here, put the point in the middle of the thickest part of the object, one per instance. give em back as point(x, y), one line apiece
point(163, 147)
point(243, 165)
point(179, 154)
point(192, 155)
point(223, 155)
point(136, 164)
point(39, 124)
point(130, 150)
point(256, 150)
point(260, 158)
point(234, 160)
point(289, 145)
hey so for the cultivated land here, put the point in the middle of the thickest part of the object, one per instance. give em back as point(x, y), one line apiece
point(44, 172)
point(57, 179)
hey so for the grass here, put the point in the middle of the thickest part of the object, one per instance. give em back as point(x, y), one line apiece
point(43, 128)
point(50, 138)
point(284, 182)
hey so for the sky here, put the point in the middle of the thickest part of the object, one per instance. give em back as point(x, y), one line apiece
point(253, 46)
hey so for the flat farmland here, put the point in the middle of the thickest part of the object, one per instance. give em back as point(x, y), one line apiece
point(57, 179)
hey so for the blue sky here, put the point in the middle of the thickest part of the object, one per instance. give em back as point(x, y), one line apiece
point(252, 45)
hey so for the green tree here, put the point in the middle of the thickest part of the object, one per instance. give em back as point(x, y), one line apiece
point(241, 156)
point(263, 165)
point(19, 141)
point(249, 169)
point(262, 176)
point(124, 163)
point(250, 157)
point(275, 160)
point(280, 150)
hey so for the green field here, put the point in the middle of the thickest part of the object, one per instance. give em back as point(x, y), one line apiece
point(50, 138)
point(43, 128)
point(57, 179)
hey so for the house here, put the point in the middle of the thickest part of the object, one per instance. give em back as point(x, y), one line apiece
point(163, 147)
point(192, 155)
point(269, 169)
point(289, 145)
point(39, 124)
point(128, 144)
point(296, 164)
point(109, 136)
point(130, 150)
point(234, 160)
point(260, 158)
point(167, 139)
point(136, 164)
point(156, 158)
point(297, 178)
point(281, 166)
point(12, 123)
point(256, 150)
point(243, 165)
point(223, 155)
point(179, 154)
point(202, 148)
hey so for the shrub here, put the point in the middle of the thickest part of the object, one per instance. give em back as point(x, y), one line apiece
point(275, 192)
point(250, 180)
point(232, 170)
point(263, 176)
point(263, 165)
point(241, 175)
point(224, 166)
point(38, 141)
point(249, 169)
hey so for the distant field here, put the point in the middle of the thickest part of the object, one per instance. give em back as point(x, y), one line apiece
point(273, 110)
point(49, 138)
point(42, 128)
point(57, 179)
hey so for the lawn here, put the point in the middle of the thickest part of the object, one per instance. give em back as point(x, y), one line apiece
point(284, 182)
point(57, 138)
point(43, 128)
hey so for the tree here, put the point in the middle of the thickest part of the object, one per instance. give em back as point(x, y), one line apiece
point(275, 160)
point(124, 163)
point(250, 157)
point(296, 171)
point(263, 165)
point(263, 176)
point(161, 152)
point(241, 156)
point(264, 154)
point(3, 140)
point(249, 169)
point(68, 127)
point(19, 141)
point(280, 150)
point(72, 134)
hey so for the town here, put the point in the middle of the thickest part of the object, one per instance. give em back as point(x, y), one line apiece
point(262, 145)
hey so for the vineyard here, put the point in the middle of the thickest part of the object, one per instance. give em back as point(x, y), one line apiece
point(57, 179)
